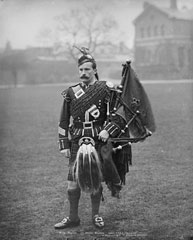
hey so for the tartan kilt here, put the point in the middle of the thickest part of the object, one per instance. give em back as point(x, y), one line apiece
point(74, 149)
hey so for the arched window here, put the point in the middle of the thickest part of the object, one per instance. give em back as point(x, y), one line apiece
point(140, 55)
point(148, 56)
point(142, 32)
point(149, 31)
point(190, 56)
point(155, 30)
point(152, 17)
point(162, 30)
point(160, 55)
point(181, 56)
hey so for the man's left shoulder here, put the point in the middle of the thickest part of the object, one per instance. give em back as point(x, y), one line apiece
point(107, 84)
point(110, 84)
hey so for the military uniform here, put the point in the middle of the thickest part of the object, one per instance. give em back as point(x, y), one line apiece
point(84, 113)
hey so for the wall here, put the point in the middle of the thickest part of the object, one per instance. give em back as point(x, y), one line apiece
point(166, 52)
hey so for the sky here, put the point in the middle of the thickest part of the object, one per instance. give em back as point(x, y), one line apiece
point(22, 20)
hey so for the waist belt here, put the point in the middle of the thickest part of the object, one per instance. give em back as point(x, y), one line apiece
point(88, 125)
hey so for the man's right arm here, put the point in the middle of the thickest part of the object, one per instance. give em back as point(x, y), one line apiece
point(63, 126)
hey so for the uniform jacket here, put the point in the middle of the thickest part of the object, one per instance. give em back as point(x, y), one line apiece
point(84, 113)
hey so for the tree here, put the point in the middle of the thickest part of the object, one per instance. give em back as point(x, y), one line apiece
point(84, 26)
point(45, 36)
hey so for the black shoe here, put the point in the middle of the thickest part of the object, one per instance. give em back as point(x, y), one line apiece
point(66, 223)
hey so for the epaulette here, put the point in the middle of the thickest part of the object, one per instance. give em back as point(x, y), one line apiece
point(65, 95)
point(110, 84)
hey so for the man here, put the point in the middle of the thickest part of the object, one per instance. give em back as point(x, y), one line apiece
point(84, 127)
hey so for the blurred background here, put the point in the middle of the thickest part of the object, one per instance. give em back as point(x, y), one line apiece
point(38, 37)
point(37, 62)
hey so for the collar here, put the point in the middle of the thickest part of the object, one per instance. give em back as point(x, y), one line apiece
point(84, 85)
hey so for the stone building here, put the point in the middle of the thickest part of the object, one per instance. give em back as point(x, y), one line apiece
point(164, 42)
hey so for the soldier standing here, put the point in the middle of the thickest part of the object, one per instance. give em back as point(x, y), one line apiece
point(84, 116)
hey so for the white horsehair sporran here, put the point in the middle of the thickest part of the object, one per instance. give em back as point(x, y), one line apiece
point(87, 167)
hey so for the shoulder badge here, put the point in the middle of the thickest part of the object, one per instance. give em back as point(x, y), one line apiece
point(66, 94)
point(78, 91)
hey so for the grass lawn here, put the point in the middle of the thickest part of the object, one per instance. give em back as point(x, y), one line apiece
point(156, 203)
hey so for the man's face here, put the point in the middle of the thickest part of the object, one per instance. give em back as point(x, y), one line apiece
point(86, 72)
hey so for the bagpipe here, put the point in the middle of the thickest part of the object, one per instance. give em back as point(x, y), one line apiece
point(133, 105)
point(130, 102)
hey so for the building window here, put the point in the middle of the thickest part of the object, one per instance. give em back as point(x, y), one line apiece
point(162, 30)
point(149, 31)
point(142, 32)
point(190, 57)
point(181, 56)
point(160, 55)
point(148, 56)
point(155, 30)
point(152, 17)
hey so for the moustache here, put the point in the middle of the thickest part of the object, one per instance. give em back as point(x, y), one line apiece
point(84, 77)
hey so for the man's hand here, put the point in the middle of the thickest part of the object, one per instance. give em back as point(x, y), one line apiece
point(103, 135)
point(66, 152)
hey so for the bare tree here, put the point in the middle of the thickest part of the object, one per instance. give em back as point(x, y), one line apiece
point(86, 26)
point(45, 36)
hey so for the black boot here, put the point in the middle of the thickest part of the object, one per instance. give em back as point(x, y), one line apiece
point(73, 219)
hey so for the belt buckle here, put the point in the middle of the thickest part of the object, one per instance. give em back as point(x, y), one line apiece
point(87, 125)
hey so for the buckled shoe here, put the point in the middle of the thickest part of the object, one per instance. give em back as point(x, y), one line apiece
point(67, 223)
point(98, 221)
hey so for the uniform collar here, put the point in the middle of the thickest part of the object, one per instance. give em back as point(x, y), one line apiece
point(84, 85)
